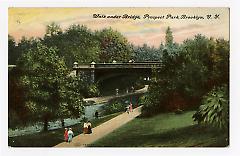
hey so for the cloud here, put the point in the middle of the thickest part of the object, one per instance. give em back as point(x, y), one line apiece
point(142, 31)
point(34, 21)
point(147, 22)
point(189, 27)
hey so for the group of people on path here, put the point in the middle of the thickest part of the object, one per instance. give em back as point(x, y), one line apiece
point(68, 135)
point(87, 128)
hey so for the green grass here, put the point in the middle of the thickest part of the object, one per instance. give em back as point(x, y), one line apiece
point(164, 130)
point(53, 137)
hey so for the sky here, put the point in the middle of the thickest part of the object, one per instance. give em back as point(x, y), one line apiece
point(32, 22)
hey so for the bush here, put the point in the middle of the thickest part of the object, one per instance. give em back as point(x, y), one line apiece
point(214, 109)
point(113, 107)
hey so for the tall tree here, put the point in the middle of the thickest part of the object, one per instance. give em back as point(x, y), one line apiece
point(114, 46)
point(146, 53)
point(18, 113)
point(53, 29)
point(76, 44)
point(44, 75)
point(168, 37)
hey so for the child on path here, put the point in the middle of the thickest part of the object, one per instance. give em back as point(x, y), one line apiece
point(66, 135)
point(70, 135)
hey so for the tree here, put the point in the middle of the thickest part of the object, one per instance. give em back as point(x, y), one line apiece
point(165, 90)
point(72, 99)
point(44, 75)
point(220, 62)
point(18, 114)
point(76, 44)
point(53, 29)
point(146, 53)
point(168, 37)
point(82, 43)
point(188, 72)
point(12, 50)
point(114, 46)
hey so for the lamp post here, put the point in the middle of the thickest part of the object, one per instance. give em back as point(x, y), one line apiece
point(117, 91)
point(92, 66)
point(75, 66)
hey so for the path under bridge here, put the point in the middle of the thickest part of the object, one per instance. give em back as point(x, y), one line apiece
point(105, 99)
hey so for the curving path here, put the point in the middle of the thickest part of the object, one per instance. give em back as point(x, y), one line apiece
point(100, 131)
point(107, 98)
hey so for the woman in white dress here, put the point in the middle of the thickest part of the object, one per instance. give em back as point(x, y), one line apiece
point(70, 135)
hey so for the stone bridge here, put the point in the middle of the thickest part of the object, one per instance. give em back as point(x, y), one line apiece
point(99, 71)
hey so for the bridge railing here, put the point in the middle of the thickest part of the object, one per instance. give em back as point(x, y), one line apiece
point(127, 65)
point(120, 65)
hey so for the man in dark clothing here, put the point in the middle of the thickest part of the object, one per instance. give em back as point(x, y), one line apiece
point(96, 114)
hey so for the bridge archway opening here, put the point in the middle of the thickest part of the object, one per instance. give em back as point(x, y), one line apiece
point(122, 82)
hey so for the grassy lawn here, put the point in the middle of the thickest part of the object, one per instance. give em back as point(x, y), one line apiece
point(53, 137)
point(164, 130)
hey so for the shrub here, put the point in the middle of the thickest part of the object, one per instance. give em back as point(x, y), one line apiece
point(113, 107)
point(214, 109)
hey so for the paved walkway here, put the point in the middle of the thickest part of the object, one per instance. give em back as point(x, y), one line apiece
point(107, 98)
point(107, 127)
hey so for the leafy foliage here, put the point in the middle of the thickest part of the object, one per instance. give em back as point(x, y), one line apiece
point(189, 71)
point(42, 90)
point(72, 99)
point(17, 111)
point(168, 37)
point(114, 46)
point(15, 50)
point(214, 109)
point(12, 52)
point(77, 43)
point(53, 29)
point(113, 107)
point(146, 53)
point(44, 79)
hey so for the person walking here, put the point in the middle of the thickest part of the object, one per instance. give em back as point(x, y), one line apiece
point(89, 125)
point(96, 114)
point(127, 109)
point(66, 135)
point(85, 128)
point(70, 135)
point(131, 107)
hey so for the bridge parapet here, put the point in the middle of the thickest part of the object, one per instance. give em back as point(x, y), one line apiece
point(118, 65)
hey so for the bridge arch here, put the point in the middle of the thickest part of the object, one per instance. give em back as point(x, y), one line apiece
point(100, 71)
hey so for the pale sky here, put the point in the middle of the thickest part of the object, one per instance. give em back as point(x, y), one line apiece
point(31, 22)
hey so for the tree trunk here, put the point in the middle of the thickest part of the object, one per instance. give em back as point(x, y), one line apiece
point(45, 128)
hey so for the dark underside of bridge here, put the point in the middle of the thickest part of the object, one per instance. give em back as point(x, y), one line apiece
point(122, 76)
point(109, 80)
point(103, 74)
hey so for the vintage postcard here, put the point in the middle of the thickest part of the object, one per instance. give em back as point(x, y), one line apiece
point(118, 77)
